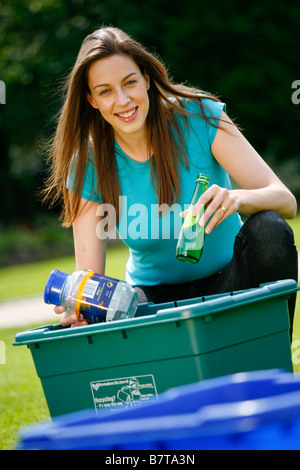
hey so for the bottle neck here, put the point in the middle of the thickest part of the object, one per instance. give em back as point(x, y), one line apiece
point(200, 188)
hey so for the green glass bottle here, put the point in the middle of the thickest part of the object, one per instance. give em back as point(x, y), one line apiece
point(191, 237)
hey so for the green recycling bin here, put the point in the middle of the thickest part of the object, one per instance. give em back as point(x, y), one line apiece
point(109, 366)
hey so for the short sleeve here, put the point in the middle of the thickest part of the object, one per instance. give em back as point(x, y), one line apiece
point(213, 111)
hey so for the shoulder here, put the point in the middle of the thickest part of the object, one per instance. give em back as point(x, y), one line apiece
point(204, 116)
point(205, 106)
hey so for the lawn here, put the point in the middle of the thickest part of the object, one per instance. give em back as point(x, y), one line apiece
point(21, 397)
point(295, 224)
point(16, 281)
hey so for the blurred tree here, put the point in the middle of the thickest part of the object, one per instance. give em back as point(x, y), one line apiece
point(246, 53)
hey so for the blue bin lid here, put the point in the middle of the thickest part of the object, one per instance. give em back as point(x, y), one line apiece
point(214, 422)
point(54, 287)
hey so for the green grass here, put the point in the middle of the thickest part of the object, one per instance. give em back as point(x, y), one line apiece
point(16, 281)
point(295, 224)
point(22, 400)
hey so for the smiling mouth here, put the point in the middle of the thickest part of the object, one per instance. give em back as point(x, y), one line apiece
point(128, 114)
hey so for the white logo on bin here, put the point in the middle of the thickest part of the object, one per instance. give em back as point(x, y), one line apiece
point(2, 92)
point(123, 392)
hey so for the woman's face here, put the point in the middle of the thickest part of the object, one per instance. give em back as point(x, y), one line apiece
point(118, 90)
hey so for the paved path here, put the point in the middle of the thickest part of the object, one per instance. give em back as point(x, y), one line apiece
point(27, 311)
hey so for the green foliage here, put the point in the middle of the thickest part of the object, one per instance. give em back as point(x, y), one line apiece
point(244, 52)
point(41, 241)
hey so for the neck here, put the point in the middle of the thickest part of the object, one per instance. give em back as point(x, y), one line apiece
point(134, 146)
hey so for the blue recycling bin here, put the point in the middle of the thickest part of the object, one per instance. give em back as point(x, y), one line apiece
point(253, 410)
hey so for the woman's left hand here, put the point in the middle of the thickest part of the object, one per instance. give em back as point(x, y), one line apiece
point(219, 204)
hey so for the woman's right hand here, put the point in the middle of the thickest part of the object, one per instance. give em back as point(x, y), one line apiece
point(68, 320)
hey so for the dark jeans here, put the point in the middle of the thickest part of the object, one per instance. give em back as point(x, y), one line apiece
point(264, 251)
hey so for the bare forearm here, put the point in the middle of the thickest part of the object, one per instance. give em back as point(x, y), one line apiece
point(273, 197)
point(90, 251)
point(87, 258)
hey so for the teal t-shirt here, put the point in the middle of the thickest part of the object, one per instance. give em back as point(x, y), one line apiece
point(152, 237)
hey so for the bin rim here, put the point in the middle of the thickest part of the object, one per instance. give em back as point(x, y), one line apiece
point(186, 312)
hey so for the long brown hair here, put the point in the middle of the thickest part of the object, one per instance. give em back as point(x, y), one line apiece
point(81, 126)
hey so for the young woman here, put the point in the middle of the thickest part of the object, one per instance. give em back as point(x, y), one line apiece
point(131, 140)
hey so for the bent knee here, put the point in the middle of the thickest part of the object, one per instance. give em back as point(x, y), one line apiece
point(269, 240)
point(269, 229)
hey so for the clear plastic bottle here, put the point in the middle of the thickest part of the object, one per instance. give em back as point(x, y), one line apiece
point(90, 296)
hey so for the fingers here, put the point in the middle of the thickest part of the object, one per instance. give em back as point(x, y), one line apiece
point(219, 204)
point(69, 320)
point(196, 209)
point(72, 320)
point(225, 209)
point(59, 309)
point(79, 323)
point(183, 213)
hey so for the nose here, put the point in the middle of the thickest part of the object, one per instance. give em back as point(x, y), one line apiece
point(122, 97)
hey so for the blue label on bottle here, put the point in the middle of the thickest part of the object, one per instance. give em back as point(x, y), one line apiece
point(94, 295)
